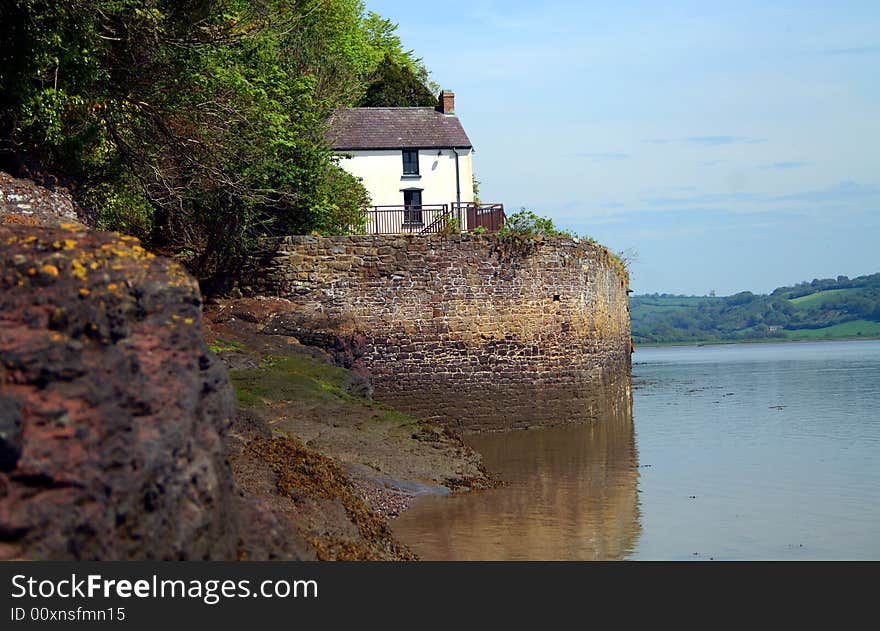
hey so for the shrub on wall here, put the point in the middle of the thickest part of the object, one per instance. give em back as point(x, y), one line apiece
point(525, 223)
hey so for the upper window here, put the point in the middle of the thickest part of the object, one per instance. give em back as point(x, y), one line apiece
point(410, 162)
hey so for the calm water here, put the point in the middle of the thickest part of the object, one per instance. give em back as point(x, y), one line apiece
point(730, 452)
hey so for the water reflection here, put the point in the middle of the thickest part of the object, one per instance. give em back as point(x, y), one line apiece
point(571, 493)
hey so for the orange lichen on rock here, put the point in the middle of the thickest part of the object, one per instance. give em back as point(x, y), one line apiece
point(77, 269)
point(20, 219)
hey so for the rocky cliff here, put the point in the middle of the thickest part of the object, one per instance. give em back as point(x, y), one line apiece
point(112, 410)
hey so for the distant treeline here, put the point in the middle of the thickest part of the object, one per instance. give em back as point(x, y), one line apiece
point(823, 308)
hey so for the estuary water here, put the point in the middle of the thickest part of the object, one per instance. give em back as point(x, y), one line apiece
point(739, 452)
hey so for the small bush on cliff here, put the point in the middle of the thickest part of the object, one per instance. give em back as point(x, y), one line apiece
point(523, 228)
point(525, 224)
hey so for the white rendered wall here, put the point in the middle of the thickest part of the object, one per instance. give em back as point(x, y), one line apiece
point(382, 175)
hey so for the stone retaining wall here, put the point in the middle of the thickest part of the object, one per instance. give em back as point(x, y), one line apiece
point(470, 330)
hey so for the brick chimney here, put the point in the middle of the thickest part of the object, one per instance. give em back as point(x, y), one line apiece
point(447, 102)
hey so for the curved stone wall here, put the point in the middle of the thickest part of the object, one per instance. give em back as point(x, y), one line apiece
point(471, 330)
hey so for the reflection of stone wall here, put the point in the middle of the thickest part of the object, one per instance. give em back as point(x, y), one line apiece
point(463, 328)
point(571, 493)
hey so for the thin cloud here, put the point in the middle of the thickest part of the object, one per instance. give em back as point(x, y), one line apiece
point(603, 156)
point(839, 194)
point(668, 189)
point(706, 141)
point(847, 191)
point(717, 141)
point(707, 198)
point(791, 164)
point(590, 206)
point(856, 50)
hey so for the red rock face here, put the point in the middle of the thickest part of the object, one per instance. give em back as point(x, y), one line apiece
point(112, 410)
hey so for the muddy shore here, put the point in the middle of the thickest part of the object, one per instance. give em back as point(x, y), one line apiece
point(349, 462)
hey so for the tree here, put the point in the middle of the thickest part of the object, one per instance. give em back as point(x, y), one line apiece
point(393, 85)
point(382, 34)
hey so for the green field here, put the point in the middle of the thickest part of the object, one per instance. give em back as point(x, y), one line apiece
point(856, 328)
point(819, 297)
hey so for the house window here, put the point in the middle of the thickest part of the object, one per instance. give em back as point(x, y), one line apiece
point(412, 211)
point(410, 161)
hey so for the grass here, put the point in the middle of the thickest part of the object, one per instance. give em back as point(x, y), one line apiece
point(287, 379)
point(848, 330)
point(819, 297)
point(856, 328)
point(220, 346)
point(303, 378)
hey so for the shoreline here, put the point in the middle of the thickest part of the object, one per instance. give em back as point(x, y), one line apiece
point(738, 342)
point(309, 439)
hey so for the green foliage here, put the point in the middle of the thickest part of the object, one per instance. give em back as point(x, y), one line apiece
point(122, 206)
point(821, 296)
point(450, 225)
point(342, 205)
point(476, 186)
point(848, 330)
point(287, 379)
point(396, 86)
point(222, 346)
point(195, 125)
point(385, 42)
point(479, 230)
point(822, 309)
point(523, 229)
point(526, 224)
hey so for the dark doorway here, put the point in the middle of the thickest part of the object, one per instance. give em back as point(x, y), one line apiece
point(412, 202)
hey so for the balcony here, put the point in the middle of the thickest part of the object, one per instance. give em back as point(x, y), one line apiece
point(434, 218)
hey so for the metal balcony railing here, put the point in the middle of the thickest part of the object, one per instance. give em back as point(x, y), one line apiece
point(488, 216)
point(434, 218)
point(403, 219)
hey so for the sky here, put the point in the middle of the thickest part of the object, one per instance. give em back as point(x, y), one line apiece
point(727, 146)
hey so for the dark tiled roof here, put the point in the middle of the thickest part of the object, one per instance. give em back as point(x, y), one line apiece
point(394, 128)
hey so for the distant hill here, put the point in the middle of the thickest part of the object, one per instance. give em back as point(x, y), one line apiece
point(831, 308)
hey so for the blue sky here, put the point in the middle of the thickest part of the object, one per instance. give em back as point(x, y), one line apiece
point(734, 146)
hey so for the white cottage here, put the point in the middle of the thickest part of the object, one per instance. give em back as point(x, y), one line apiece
point(417, 165)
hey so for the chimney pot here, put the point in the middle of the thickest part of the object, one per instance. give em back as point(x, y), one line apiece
point(447, 102)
